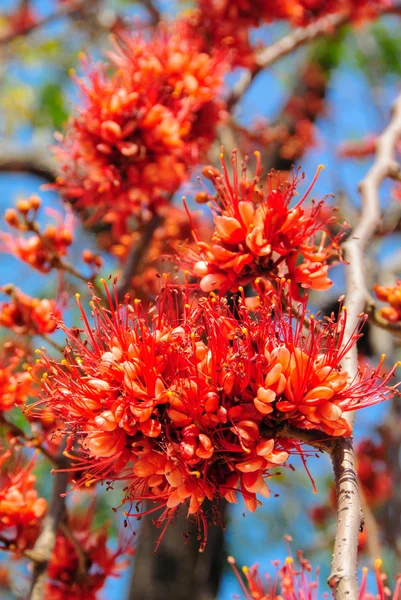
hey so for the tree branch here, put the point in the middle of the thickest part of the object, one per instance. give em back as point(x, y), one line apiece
point(65, 10)
point(349, 514)
point(303, 35)
point(21, 159)
point(42, 552)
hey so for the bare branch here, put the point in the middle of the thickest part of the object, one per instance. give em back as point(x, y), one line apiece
point(154, 13)
point(327, 25)
point(65, 10)
point(34, 159)
point(349, 514)
point(303, 35)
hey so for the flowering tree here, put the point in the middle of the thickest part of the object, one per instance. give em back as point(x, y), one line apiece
point(180, 356)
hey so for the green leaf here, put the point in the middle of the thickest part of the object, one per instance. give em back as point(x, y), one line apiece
point(51, 106)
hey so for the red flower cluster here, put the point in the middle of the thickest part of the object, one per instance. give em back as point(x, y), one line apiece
point(21, 509)
point(294, 581)
point(27, 315)
point(392, 295)
point(15, 386)
point(189, 408)
point(40, 249)
point(70, 579)
point(141, 126)
point(258, 234)
point(227, 23)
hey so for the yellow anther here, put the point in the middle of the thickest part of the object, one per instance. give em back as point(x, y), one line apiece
point(245, 570)
point(256, 153)
point(77, 296)
point(320, 167)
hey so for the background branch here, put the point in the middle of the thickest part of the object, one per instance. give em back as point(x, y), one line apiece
point(41, 553)
point(349, 514)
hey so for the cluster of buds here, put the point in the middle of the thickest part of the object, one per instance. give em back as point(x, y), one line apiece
point(142, 125)
point(80, 568)
point(258, 234)
point(197, 405)
point(42, 250)
point(26, 315)
point(15, 385)
point(21, 508)
point(392, 295)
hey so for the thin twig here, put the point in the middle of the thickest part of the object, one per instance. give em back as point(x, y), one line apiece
point(303, 35)
point(327, 25)
point(349, 514)
point(154, 12)
point(30, 441)
point(65, 10)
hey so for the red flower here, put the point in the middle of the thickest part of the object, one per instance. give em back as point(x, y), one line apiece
point(257, 233)
point(141, 127)
point(27, 315)
point(186, 407)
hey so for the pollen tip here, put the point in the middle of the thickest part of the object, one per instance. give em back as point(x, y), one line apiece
point(245, 569)
point(378, 563)
point(320, 167)
point(231, 560)
point(288, 560)
point(383, 356)
point(257, 280)
point(71, 72)
point(102, 280)
point(77, 296)
point(256, 153)
point(37, 351)
point(240, 288)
